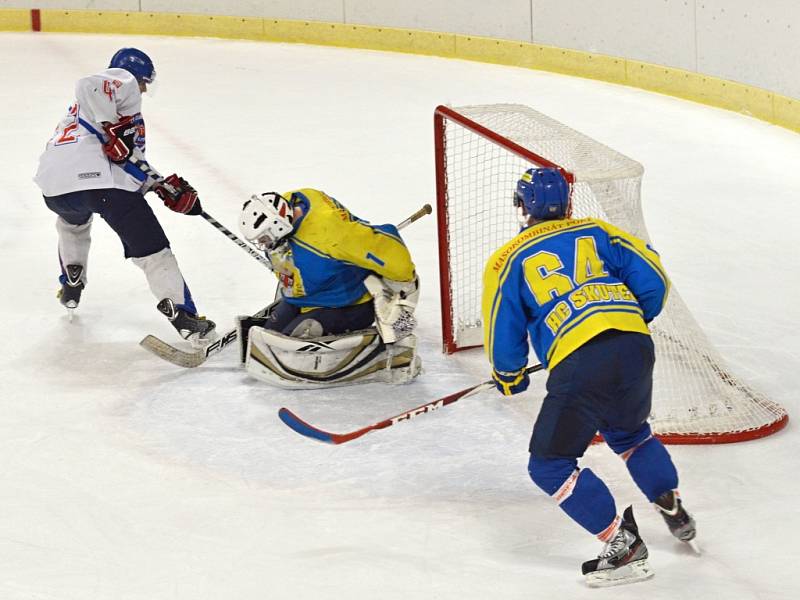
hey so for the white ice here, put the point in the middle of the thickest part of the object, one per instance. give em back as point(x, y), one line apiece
point(124, 477)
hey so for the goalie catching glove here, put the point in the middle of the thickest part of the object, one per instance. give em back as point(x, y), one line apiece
point(178, 195)
point(395, 302)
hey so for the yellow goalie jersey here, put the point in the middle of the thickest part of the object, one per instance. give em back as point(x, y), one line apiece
point(331, 252)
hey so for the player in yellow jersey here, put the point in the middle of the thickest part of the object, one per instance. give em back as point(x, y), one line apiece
point(583, 292)
point(338, 275)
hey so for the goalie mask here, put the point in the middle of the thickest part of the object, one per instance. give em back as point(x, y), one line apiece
point(266, 220)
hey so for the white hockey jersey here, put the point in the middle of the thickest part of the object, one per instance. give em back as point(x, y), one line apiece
point(73, 159)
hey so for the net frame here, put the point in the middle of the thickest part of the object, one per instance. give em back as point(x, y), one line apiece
point(480, 152)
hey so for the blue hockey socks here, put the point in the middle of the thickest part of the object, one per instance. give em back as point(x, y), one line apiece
point(580, 493)
point(647, 460)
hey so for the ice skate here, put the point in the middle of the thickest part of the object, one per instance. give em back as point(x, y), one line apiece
point(680, 523)
point(197, 330)
point(623, 560)
point(71, 287)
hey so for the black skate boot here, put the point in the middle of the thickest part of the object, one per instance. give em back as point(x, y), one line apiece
point(680, 523)
point(197, 330)
point(623, 560)
point(71, 287)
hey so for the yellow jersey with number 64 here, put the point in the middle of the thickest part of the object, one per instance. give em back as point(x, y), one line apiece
point(563, 282)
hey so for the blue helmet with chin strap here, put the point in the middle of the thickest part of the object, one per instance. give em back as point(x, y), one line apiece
point(545, 194)
point(136, 62)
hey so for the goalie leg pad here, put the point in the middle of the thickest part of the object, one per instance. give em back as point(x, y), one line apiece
point(329, 361)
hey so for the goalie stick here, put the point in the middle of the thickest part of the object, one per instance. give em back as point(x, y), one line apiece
point(425, 210)
point(190, 360)
point(306, 429)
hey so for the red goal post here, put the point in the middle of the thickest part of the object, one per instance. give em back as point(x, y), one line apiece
point(442, 115)
point(480, 153)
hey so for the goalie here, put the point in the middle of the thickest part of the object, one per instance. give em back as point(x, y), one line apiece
point(346, 295)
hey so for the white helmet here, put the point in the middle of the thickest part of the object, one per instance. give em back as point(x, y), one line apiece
point(266, 219)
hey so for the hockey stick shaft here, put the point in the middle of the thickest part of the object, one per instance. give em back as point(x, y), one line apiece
point(145, 168)
point(236, 240)
point(425, 210)
point(306, 429)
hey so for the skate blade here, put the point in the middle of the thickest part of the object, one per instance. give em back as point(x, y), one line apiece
point(695, 548)
point(638, 570)
point(71, 312)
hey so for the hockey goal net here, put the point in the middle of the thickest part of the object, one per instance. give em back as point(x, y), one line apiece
point(481, 151)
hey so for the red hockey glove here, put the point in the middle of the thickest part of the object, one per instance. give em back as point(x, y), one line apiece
point(121, 136)
point(178, 195)
point(510, 383)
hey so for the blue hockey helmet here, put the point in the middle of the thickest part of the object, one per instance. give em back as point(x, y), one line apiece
point(136, 62)
point(545, 194)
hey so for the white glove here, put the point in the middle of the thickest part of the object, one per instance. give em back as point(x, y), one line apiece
point(395, 302)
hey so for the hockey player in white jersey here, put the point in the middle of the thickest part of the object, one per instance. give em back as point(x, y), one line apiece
point(88, 167)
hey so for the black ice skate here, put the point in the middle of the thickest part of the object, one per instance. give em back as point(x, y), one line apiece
point(680, 523)
point(70, 293)
point(197, 330)
point(623, 560)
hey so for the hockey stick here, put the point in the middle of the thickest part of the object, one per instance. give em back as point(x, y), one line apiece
point(190, 360)
point(425, 210)
point(145, 168)
point(185, 359)
point(306, 429)
point(236, 240)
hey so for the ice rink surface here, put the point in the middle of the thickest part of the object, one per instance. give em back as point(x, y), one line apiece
point(123, 477)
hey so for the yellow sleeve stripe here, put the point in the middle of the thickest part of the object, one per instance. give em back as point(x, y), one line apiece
point(654, 264)
point(495, 302)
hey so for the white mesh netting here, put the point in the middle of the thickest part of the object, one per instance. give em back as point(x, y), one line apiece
point(696, 398)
